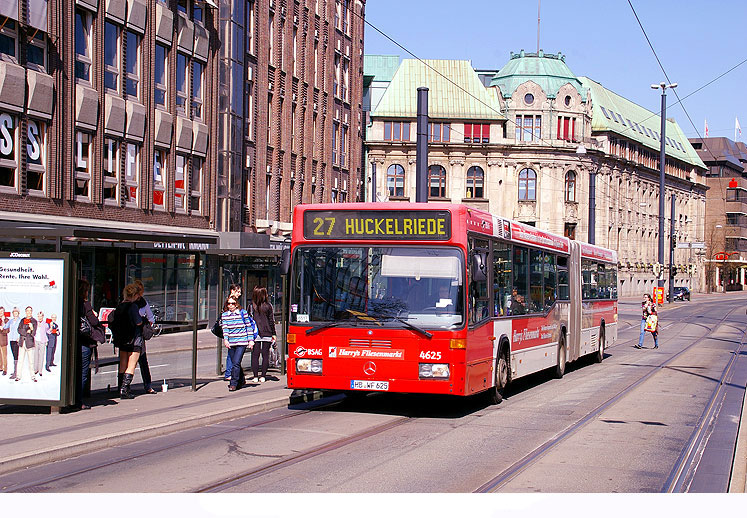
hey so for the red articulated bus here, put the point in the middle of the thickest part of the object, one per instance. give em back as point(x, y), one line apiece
point(440, 299)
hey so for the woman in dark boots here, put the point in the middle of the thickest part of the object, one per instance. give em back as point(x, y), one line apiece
point(127, 333)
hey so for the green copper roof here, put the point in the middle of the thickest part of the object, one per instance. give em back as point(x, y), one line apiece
point(454, 92)
point(612, 112)
point(380, 68)
point(549, 71)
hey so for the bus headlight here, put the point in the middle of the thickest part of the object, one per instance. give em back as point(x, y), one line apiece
point(434, 370)
point(309, 366)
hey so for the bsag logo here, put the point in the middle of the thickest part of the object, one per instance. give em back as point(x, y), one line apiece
point(301, 351)
point(19, 254)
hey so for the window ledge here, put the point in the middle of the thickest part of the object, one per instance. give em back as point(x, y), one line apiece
point(399, 198)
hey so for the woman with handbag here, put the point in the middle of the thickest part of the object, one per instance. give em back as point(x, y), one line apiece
point(148, 319)
point(264, 316)
point(239, 332)
point(648, 309)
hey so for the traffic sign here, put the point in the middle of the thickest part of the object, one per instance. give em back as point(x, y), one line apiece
point(697, 245)
point(683, 245)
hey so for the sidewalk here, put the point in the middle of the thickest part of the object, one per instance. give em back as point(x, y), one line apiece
point(32, 436)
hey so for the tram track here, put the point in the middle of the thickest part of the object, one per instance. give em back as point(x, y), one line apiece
point(685, 466)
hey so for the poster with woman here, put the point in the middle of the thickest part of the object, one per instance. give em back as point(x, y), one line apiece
point(32, 290)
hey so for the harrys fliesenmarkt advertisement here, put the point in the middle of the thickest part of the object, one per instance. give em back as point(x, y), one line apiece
point(31, 316)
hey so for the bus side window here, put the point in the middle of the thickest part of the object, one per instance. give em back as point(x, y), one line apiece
point(520, 271)
point(478, 289)
point(536, 264)
point(564, 292)
point(501, 279)
point(549, 280)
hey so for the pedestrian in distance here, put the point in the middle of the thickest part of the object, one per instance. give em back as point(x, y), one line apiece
point(239, 332)
point(13, 338)
point(89, 338)
point(4, 331)
point(27, 331)
point(234, 291)
point(127, 333)
point(648, 308)
point(147, 314)
point(40, 340)
point(264, 316)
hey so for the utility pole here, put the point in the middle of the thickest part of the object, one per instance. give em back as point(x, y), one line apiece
point(671, 253)
point(662, 172)
point(421, 148)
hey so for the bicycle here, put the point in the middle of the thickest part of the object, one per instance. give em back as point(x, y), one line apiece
point(157, 326)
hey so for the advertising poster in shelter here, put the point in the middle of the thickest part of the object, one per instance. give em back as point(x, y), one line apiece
point(31, 302)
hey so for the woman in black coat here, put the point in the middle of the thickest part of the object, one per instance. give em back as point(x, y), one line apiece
point(264, 316)
point(87, 342)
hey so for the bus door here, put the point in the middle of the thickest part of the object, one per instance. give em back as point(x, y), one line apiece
point(573, 341)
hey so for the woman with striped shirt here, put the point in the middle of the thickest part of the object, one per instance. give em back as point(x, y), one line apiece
point(239, 332)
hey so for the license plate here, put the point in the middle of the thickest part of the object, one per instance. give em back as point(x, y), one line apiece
point(369, 385)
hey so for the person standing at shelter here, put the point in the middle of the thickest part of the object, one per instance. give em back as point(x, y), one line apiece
point(54, 332)
point(40, 342)
point(13, 338)
point(234, 291)
point(239, 332)
point(26, 331)
point(147, 314)
point(3, 342)
point(648, 308)
point(127, 333)
point(87, 342)
point(264, 316)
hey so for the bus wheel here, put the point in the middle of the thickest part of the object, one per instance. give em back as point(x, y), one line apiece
point(560, 367)
point(495, 393)
point(599, 356)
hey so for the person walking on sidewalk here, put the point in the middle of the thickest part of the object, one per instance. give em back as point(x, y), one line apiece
point(147, 314)
point(3, 342)
point(264, 316)
point(13, 338)
point(648, 308)
point(127, 333)
point(234, 291)
point(239, 332)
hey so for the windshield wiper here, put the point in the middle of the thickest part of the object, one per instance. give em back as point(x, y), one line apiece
point(410, 326)
point(322, 326)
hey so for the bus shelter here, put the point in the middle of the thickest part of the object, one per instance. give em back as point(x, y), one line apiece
point(72, 245)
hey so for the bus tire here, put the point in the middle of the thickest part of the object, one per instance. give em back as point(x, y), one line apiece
point(560, 366)
point(495, 393)
point(599, 356)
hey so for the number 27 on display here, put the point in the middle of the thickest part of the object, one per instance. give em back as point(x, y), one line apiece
point(319, 222)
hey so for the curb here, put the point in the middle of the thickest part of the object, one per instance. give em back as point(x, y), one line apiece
point(738, 480)
point(119, 438)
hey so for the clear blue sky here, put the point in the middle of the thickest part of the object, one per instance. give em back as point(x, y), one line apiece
point(696, 42)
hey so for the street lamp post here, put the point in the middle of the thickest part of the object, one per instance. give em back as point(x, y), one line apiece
point(662, 169)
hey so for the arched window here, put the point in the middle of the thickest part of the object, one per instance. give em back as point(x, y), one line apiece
point(527, 185)
point(395, 180)
point(437, 181)
point(570, 186)
point(475, 179)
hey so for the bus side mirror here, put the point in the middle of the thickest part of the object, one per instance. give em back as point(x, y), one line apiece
point(479, 267)
point(285, 261)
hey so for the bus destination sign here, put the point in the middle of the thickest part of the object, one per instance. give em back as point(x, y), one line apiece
point(377, 224)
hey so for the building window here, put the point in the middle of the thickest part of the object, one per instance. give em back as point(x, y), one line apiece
point(83, 55)
point(111, 56)
point(345, 80)
point(132, 173)
point(346, 16)
point(439, 132)
point(111, 170)
point(569, 230)
point(399, 131)
point(8, 151)
point(180, 193)
point(271, 38)
point(36, 52)
point(182, 87)
point(570, 186)
point(477, 133)
point(195, 184)
point(249, 124)
point(197, 94)
point(437, 181)
point(36, 155)
point(159, 76)
point(395, 180)
point(528, 128)
point(132, 67)
point(159, 179)
point(336, 82)
point(475, 179)
point(197, 12)
point(335, 138)
point(527, 185)
point(344, 147)
point(567, 128)
point(8, 37)
point(250, 26)
point(83, 165)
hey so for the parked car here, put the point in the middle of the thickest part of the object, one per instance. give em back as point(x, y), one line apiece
point(680, 293)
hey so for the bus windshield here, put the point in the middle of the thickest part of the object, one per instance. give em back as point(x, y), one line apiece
point(374, 285)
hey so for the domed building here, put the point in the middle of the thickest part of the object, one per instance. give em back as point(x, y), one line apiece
point(538, 144)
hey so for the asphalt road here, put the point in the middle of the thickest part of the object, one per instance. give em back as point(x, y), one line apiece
point(625, 425)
